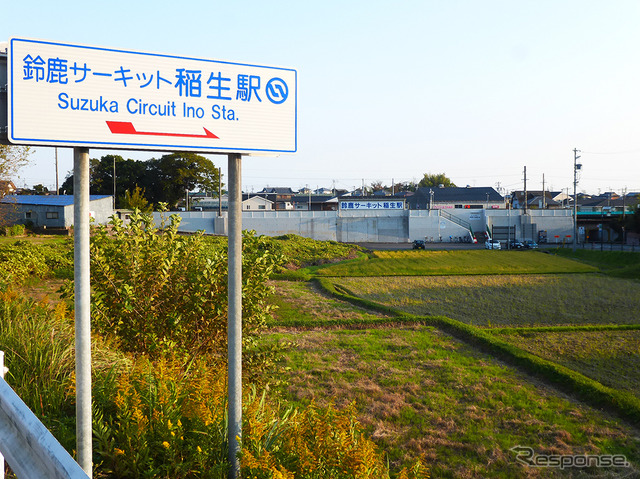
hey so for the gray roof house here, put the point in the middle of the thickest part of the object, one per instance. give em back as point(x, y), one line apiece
point(53, 211)
point(455, 197)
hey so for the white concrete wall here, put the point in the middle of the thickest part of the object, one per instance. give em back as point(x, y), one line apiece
point(555, 222)
point(428, 225)
point(378, 226)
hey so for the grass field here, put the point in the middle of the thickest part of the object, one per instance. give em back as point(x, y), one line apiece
point(421, 392)
point(302, 302)
point(610, 357)
point(465, 262)
point(507, 300)
point(613, 263)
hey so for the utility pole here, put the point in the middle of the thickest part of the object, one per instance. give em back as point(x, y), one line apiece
point(544, 195)
point(220, 191)
point(114, 182)
point(57, 186)
point(576, 167)
point(524, 206)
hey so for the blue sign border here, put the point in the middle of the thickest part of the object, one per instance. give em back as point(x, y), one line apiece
point(144, 146)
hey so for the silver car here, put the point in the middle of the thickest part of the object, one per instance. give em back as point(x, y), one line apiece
point(493, 244)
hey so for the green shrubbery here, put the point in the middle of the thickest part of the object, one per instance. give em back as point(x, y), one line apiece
point(14, 230)
point(299, 251)
point(159, 391)
point(22, 261)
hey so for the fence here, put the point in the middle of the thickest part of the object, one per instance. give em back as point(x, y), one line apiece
point(632, 248)
point(29, 448)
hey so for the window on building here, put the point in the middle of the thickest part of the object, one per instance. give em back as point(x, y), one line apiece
point(27, 215)
point(262, 207)
point(52, 215)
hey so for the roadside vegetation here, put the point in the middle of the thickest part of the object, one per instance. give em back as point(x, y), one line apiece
point(159, 386)
point(359, 364)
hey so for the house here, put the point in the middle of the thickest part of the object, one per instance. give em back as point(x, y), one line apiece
point(314, 202)
point(280, 196)
point(426, 198)
point(53, 211)
point(257, 203)
point(249, 203)
point(537, 199)
point(207, 203)
point(7, 188)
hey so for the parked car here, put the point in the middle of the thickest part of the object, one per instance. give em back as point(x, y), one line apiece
point(418, 244)
point(492, 244)
point(528, 244)
point(515, 244)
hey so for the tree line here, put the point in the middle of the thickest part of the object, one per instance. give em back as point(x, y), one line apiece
point(142, 184)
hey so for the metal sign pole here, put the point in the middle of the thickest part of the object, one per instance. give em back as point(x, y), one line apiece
point(82, 307)
point(1, 376)
point(234, 318)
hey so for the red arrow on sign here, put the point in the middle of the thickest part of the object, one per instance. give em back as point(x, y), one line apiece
point(127, 128)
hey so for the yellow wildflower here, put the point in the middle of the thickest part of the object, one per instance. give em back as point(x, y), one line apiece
point(165, 444)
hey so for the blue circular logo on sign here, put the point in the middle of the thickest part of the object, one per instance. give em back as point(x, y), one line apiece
point(277, 90)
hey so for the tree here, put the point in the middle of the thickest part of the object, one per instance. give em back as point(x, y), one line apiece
point(178, 172)
point(435, 180)
point(12, 158)
point(40, 189)
point(136, 200)
point(162, 180)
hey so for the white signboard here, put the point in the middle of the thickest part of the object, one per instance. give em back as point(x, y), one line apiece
point(74, 95)
point(371, 205)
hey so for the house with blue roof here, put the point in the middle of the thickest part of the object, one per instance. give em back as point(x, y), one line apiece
point(52, 211)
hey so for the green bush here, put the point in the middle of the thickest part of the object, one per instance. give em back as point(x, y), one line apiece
point(23, 260)
point(14, 230)
point(160, 293)
point(300, 251)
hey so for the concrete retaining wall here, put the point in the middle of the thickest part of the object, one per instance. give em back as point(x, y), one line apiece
point(382, 226)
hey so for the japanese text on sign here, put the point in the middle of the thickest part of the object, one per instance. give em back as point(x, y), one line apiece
point(106, 91)
point(371, 205)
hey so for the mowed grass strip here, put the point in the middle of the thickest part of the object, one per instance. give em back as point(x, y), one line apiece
point(507, 300)
point(422, 392)
point(466, 262)
point(610, 357)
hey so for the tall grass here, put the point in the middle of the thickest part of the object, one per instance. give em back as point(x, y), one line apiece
point(38, 345)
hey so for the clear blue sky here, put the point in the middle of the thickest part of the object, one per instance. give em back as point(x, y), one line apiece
point(393, 90)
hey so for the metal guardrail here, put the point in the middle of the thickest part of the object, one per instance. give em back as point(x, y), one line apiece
point(455, 219)
point(29, 448)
